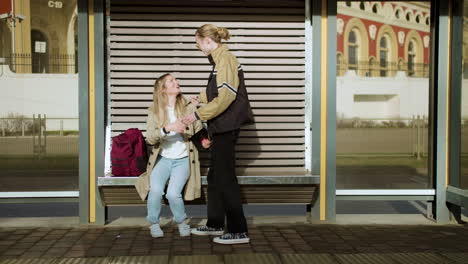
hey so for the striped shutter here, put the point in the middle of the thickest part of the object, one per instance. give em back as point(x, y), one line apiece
point(150, 38)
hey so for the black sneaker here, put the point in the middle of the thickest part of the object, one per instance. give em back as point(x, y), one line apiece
point(205, 231)
point(232, 238)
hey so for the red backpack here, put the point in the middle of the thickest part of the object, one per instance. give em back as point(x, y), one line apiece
point(128, 153)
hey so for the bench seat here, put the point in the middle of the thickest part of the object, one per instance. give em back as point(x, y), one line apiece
point(290, 189)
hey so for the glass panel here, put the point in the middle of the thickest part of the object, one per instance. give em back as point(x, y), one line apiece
point(464, 103)
point(382, 117)
point(39, 103)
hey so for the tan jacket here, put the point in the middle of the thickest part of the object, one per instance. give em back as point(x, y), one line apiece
point(227, 105)
point(192, 188)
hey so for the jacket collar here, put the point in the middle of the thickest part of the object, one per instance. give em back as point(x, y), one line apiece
point(216, 54)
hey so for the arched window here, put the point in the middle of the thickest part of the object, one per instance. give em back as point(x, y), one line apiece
point(340, 68)
point(398, 13)
point(418, 19)
point(352, 51)
point(375, 9)
point(411, 58)
point(428, 21)
point(348, 3)
point(362, 6)
point(408, 17)
point(383, 52)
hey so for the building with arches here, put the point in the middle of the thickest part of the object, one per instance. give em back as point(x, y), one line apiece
point(45, 37)
point(378, 39)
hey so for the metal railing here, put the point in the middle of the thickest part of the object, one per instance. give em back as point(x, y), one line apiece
point(388, 69)
point(38, 135)
point(377, 136)
point(41, 63)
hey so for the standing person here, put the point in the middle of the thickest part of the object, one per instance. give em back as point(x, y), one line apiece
point(226, 109)
point(173, 157)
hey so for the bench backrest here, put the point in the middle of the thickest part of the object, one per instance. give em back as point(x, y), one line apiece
point(149, 38)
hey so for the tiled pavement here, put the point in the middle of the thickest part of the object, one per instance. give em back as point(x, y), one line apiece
point(274, 243)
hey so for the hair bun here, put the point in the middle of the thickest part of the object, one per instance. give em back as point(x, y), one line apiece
point(223, 33)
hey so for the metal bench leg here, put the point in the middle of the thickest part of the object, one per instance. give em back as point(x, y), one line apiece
point(313, 209)
point(101, 210)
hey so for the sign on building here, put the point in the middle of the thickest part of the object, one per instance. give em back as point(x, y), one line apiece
point(40, 46)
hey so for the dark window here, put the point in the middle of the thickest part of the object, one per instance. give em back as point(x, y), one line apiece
point(39, 48)
point(383, 57)
point(352, 50)
point(411, 59)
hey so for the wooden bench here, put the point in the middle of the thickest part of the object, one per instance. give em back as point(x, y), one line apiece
point(293, 189)
point(148, 39)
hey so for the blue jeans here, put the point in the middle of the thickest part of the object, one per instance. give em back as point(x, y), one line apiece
point(177, 170)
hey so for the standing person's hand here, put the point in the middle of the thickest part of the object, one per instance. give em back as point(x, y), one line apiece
point(206, 143)
point(176, 126)
point(195, 100)
point(189, 119)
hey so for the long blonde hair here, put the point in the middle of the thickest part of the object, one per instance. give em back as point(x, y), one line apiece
point(160, 101)
point(213, 32)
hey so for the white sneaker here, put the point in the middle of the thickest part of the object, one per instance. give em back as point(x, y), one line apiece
point(232, 238)
point(156, 231)
point(205, 231)
point(184, 229)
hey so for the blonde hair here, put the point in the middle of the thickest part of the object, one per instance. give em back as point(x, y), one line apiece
point(213, 32)
point(160, 101)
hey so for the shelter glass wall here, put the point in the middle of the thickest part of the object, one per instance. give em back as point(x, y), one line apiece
point(382, 95)
point(464, 102)
point(39, 103)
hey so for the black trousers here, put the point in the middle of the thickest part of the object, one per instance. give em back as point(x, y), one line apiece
point(223, 190)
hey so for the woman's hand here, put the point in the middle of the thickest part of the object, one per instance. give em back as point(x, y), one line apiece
point(189, 119)
point(195, 100)
point(206, 143)
point(176, 126)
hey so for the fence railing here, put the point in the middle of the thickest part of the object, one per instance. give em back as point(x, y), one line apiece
point(27, 126)
point(375, 137)
point(38, 135)
point(41, 63)
point(388, 69)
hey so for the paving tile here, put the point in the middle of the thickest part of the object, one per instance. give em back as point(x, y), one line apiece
point(307, 259)
point(32, 254)
point(22, 231)
point(252, 259)
point(22, 245)
point(426, 258)
point(75, 254)
point(364, 259)
point(97, 252)
point(159, 252)
point(201, 251)
point(85, 261)
point(30, 261)
point(457, 257)
point(141, 260)
point(200, 259)
point(262, 249)
point(221, 249)
point(14, 252)
point(120, 252)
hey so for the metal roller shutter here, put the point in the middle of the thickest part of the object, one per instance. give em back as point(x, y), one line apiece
point(150, 38)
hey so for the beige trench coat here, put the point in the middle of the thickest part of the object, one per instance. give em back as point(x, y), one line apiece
point(192, 188)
